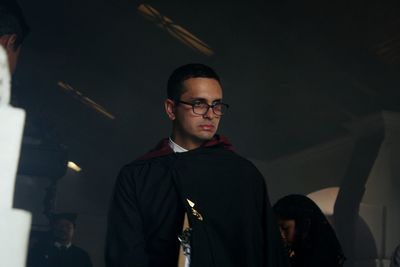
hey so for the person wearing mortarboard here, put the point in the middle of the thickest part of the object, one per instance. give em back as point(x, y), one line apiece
point(60, 251)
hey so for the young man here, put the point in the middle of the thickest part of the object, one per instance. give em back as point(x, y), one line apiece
point(194, 172)
point(13, 30)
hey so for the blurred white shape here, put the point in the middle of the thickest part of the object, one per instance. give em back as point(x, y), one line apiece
point(14, 224)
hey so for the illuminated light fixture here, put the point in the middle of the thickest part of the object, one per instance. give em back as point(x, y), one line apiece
point(73, 166)
point(175, 30)
point(85, 100)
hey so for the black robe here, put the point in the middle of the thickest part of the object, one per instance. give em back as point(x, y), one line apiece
point(237, 227)
point(47, 255)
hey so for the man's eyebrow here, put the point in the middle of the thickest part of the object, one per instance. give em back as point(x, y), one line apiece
point(204, 100)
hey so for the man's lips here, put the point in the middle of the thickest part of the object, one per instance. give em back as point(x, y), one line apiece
point(207, 127)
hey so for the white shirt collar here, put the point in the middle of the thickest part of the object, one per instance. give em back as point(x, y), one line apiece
point(59, 245)
point(175, 147)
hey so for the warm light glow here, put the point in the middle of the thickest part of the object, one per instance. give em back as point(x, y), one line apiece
point(325, 199)
point(175, 30)
point(85, 100)
point(73, 166)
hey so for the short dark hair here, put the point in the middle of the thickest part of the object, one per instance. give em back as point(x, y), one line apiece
point(181, 74)
point(12, 21)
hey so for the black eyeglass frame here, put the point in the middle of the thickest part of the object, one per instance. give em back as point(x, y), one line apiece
point(208, 106)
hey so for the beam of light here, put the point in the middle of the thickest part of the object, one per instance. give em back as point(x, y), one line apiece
point(74, 166)
point(85, 100)
point(175, 30)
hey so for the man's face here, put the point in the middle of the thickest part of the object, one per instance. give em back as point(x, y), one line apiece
point(288, 231)
point(190, 129)
point(63, 231)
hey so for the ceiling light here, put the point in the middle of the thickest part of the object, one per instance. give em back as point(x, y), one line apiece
point(74, 166)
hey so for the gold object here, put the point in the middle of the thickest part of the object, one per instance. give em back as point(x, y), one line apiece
point(194, 212)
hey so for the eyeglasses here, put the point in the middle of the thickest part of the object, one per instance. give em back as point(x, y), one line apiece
point(201, 108)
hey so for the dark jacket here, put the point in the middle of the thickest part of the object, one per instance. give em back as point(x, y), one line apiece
point(231, 219)
point(47, 255)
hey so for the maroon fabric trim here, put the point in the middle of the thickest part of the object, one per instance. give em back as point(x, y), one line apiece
point(163, 147)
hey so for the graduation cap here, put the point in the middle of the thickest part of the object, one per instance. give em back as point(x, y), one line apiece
point(63, 216)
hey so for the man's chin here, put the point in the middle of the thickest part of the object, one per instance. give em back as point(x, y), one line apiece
point(206, 136)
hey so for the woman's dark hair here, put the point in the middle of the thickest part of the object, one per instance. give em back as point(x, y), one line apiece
point(315, 241)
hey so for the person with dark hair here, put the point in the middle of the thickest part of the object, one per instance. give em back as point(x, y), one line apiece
point(13, 30)
point(196, 177)
point(307, 234)
point(174, 85)
point(59, 251)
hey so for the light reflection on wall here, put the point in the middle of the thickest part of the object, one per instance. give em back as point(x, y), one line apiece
point(175, 30)
point(85, 100)
point(325, 199)
point(74, 166)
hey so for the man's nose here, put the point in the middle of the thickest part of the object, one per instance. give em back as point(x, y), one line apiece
point(209, 114)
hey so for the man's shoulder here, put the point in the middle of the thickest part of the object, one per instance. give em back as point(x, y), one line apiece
point(140, 169)
point(159, 153)
point(142, 162)
point(161, 149)
point(227, 155)
point(245, 164)
point(77, 249)
point(41, 247)
point(220, 158)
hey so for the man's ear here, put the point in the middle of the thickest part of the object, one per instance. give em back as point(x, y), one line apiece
point(8, 41)
point(170, 109)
